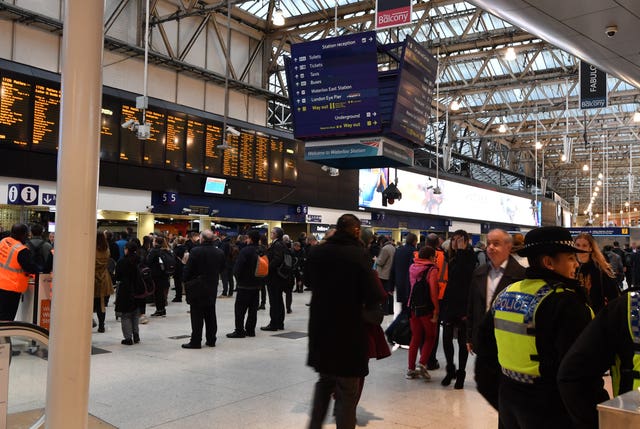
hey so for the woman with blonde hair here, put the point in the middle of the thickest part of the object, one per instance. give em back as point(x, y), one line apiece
point(102, 285)
point(595, 273)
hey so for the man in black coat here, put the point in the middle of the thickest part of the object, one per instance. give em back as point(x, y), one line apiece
point(402, 260)
point(276, 284)
point(489, 280)
point(248, 287)
point(341, 278)
point(201, 274)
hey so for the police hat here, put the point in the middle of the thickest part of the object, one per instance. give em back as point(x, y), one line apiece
point(548, 240)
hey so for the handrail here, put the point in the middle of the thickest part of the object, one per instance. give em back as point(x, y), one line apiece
point(33, 332)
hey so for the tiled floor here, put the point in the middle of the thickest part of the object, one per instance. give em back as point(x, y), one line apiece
point(259, 382)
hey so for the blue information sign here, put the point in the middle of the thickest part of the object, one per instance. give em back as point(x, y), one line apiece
point(333, 85)
point(22, 194)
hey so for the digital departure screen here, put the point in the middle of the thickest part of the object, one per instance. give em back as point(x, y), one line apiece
point(30, 116)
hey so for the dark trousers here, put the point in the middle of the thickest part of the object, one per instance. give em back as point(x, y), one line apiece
point(276, 305)
point(203, 314)
point(246, 302)
point(9, 302)
point(227, 281)
point(526, 406)
point(160, 294)
point(288, 297)
point(388, 305)
point(434, 351)
point(263, 295)
point(347, 393)
point(447, 343)
point(177, 282)
point(98, 310)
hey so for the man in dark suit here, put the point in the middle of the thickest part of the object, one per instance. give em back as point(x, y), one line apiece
point(276, 284)
point(201, 275)
point(490, 279)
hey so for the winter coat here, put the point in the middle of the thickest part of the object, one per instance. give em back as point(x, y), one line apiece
point(205, 261)
point(384, 261)
point(126, 275)
point(601, 288)
point(416, 271)
point(454, 304)
point(102, 285)
point(245, 268)
point(402, 260)
point(340, 275)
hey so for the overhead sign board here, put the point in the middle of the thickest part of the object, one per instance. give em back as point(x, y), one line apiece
point(593, 87)
point(412, 108)
point(359, 153)
point(392, 13)
point(600, 231)
point(334, 86)
point(48, 199)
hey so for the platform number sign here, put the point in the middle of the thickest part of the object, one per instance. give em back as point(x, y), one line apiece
point(22, 194)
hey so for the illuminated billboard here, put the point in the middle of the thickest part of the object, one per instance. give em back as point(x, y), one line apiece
point(455, 200)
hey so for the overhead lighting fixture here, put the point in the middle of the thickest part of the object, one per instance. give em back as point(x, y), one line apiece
point(278, 16)
point(455, 105)
point(585, 167)
point(599, 183)
point(538, 145)
point(510, 54)
point(502, 128)
point(563, 157)
point(636, 116)
point(600, 175)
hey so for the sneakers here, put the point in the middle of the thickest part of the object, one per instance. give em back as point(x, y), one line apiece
point(423, 371)
point(411, 374)
point(143, 320)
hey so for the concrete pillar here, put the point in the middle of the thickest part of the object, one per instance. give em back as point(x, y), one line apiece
point(205, 223)
point(395, 234)
point(146, 224)
point(67, 397)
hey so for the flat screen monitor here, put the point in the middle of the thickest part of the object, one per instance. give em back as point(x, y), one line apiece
point(214, 185)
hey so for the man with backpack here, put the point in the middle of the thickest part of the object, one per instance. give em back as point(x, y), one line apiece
point(40, 249)
point(163, 265)
point(280, 276)
point(248, 288)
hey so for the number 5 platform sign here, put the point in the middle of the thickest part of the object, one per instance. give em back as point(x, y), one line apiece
point(23, 195)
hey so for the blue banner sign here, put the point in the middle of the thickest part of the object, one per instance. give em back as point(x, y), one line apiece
point(334, 86)
point(600, 231)
point(593, 87)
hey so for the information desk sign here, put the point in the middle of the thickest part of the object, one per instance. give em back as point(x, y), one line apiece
point(23, 195)
point(334, 86)
point(412, 108)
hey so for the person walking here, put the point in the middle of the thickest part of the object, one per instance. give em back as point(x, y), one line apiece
point(338, 341)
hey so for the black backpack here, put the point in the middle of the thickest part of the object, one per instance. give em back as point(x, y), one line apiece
point(289, 262)
point(167, 262)
point(420, 298)
point(143, 285)
point(37, 256)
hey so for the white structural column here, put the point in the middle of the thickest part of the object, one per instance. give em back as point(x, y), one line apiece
point(146, 224)
point(68, 373)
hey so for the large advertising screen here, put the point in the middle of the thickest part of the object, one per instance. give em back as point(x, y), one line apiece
point(454, 200)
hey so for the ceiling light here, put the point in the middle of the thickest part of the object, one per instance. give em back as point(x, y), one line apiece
point(455, 105)
point(563, 157)
point(635, 209)
point(510, 54)
point(278, 16)
point(626, 203)
point(585, 167)
point(600, 175)
point(538, 145)
point(502, 128)
point(597, 189)
point(597, 215)
point(599, 183)
point(636, 116)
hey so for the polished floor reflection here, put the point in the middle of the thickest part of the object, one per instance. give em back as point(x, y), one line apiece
point(259, 382)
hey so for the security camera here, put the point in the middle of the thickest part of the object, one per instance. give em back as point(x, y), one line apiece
point(611, 30)
point(150, 207)
point(391, 194)
point(214, 212)
point(130, 123)
point(186, 210)
point(233, 131)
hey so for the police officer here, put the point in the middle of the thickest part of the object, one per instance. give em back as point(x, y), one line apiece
point(534, 322)
point(15, 267)
point(612, 340)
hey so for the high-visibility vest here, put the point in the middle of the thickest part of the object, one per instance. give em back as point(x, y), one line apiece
point(443, 270)
point(12, 276)
point(633, 320)
point(514, 311)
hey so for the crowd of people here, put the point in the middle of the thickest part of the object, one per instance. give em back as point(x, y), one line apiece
point(523, 305)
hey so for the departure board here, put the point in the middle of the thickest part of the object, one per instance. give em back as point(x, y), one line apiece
point(154, 145)
point(231, 157)
point(176, 128)
point(246, 155)
point(276, 147)
point(14, 112)
point(213, 156)
point(262, 157)
point(195, 145)
point(46, 116)
point(30, 109)
point(109, 130)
